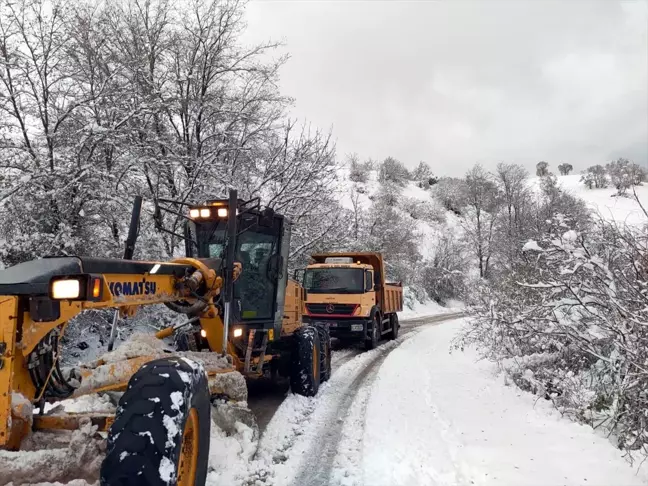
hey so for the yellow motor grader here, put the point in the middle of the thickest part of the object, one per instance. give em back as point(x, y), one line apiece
point(243, 320)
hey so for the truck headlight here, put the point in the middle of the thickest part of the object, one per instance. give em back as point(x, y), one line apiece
point(65, 289)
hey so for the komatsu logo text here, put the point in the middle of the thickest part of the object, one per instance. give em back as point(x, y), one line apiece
point(132, 288)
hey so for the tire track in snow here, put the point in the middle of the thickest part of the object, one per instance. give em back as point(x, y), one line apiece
point(323, 451)
point(265, 397)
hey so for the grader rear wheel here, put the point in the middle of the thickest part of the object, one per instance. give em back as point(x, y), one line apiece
point(161, 431)
point(325, 356)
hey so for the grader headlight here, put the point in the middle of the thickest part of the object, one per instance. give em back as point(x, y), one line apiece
point(222, 212)
point(65, 289)
point(77, 287)
point(200, 213)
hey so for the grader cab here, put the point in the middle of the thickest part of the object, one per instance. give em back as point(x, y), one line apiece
point(242, 320)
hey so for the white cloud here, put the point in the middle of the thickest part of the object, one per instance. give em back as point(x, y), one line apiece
point(457, 82)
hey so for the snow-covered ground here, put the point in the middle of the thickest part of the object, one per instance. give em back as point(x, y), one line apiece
point(413, 413)
point(457, 423)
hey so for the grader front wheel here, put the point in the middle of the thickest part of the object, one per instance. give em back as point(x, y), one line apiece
point(160, 436)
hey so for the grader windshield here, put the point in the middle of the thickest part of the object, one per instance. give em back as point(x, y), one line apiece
point(261, 246)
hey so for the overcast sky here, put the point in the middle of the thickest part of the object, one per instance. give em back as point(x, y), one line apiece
point(455, 82)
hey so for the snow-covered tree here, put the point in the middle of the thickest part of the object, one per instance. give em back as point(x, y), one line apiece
point(357, 171)
point(595, 177)
point(444, 275)
point(451, 193)
point(423, 175)
point(512, 181)
point(638, 174)
point(542, 169)
point(388, 231)
point(565, 168)
point(422, 172)
point(393, 171)
point(624, 174)
point(158, 98)
point(620, 176)
point(484, 206)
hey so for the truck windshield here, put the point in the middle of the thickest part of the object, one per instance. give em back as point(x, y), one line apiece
point(334, 280)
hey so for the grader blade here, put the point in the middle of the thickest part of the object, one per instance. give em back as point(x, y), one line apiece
point(112, 371)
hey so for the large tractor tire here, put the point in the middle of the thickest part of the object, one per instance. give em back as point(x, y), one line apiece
point(160, 436)
point(374, 333)
point(325, 359)
point(395, 326)
point(305, 372)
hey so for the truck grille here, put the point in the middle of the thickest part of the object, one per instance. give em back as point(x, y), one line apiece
point(331, 309)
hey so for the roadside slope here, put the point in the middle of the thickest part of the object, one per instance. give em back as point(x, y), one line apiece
point(438, 418)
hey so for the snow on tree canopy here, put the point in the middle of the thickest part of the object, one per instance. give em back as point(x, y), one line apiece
point(531, 245)
point(570, 235)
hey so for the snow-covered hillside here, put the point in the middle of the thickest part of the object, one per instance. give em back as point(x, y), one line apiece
point(624, 209)
point(416, 209)
point(363, 194)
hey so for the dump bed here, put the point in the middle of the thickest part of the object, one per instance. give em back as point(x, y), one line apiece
point(392, 298)
point(389, 296)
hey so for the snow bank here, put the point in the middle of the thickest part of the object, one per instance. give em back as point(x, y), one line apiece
point(458, 424)
point(414, 309)
point(79, 457)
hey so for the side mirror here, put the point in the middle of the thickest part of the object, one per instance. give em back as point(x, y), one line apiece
point(298, 275)
point(368, 282)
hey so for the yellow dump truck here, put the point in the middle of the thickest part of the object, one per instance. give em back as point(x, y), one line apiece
point(347, 293)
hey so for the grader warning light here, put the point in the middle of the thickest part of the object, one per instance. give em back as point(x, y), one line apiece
point(96, 288)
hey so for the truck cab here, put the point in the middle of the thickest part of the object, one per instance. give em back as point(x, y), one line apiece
point(347, 293)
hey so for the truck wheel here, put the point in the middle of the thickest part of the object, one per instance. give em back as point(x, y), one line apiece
point(393, 320)
point(372, 342)
point(305, 367)
point(160, 435)
point(325, 345)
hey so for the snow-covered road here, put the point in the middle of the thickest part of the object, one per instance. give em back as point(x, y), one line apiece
point(411, 413)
